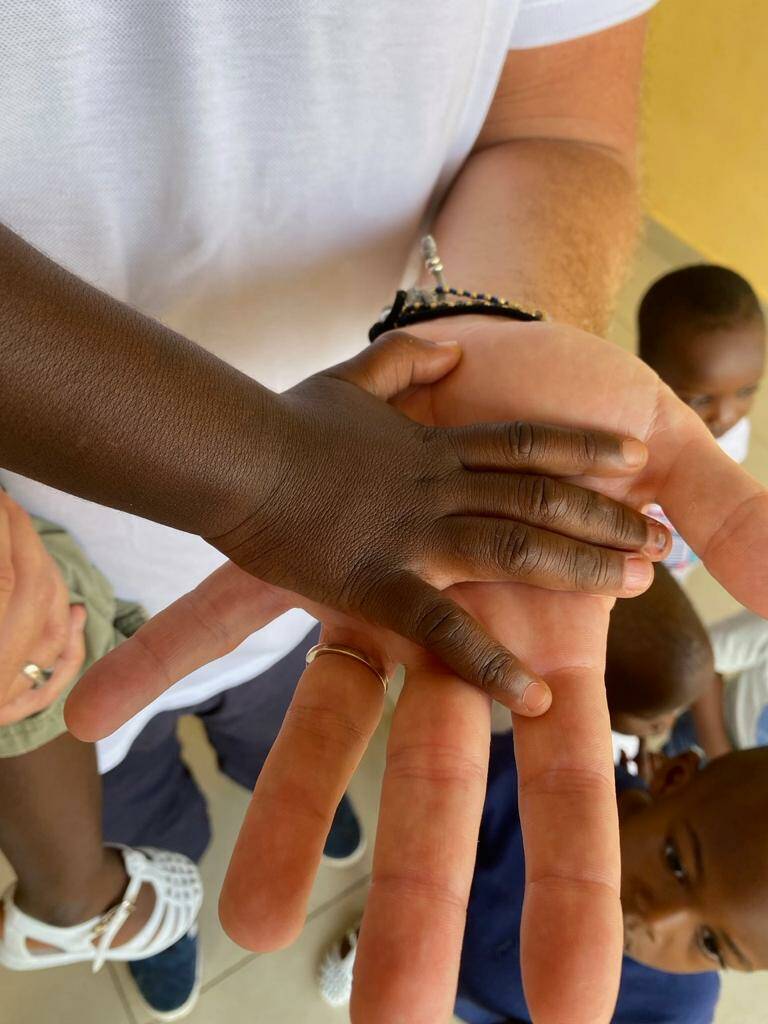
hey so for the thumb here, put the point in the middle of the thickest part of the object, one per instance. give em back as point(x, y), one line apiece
point(396, 362)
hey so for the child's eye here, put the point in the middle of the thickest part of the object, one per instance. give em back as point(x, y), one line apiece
point(698, 401)
point(675, 865)
point(710, 947)
point(747, 392)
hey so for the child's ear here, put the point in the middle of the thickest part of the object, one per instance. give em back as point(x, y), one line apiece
point(673, 773)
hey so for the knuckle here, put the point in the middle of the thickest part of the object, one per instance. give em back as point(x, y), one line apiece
point(593, 568)
point(582, 783)
point(435, 763)
point(521, 440)
point(542, 499)
point(493, 670)
point(423, 886)
point(326, 726)
point(585, 446)
point(439, 624)
point(516, 550)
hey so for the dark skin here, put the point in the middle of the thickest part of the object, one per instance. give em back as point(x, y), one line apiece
point(694, 849)
point(326, 490)
point(644, 725)
point(50, 831)
point(715, 370)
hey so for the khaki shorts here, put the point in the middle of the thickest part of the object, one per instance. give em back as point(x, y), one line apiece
point(109, 621)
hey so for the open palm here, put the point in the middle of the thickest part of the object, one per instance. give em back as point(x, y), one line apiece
point(434, 784)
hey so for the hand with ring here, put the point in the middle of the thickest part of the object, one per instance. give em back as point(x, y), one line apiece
point(41, 635)
point(434, 783)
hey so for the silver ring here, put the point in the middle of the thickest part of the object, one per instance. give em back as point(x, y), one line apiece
point(39, 676)
point(349, 652)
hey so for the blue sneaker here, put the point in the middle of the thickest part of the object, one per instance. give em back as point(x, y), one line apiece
point(345, 844)
point(169, 982)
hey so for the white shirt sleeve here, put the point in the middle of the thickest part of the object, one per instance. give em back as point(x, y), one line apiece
point(739, 642)
point(543, 22)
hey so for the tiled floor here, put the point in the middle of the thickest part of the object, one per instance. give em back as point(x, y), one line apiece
point(239, 988)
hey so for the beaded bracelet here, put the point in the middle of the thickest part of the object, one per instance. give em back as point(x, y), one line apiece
point(420, 304)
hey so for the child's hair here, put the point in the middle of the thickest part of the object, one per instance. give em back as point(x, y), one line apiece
point(659, 658)
point(704, 294)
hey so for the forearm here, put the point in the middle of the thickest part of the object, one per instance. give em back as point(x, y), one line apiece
point(709, 721)
point(549, 224)
point(109, 404)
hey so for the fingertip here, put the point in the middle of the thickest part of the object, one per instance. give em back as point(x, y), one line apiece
point(634, 453)
point(536, 699)
point(638, 575)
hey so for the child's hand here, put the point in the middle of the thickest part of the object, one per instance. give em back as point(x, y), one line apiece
point(38, 628)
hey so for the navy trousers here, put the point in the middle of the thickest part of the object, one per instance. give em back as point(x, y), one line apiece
point(152, 799)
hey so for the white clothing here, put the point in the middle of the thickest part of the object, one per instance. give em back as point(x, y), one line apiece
point(252, 173)
point(740, 645)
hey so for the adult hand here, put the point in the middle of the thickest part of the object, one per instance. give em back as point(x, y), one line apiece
point(380, 514)
point(434, 787)
point(37, 624)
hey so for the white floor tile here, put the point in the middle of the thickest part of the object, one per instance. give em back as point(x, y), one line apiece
point(64, 995)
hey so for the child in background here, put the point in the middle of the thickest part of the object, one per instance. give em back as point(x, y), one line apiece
point(702, 330)
point(694, 890)
point(658, 663)
point(664, 673)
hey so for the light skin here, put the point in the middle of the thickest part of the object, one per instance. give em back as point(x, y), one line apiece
point(438, 748)
point(544, 211)
point(694, 883)
point(715, 370)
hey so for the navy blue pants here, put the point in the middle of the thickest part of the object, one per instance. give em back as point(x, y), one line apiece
point(151, 797)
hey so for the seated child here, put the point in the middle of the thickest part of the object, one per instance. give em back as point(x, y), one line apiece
point(663, 672)
point(702, 330)
point(694, 890)
point(658, 662)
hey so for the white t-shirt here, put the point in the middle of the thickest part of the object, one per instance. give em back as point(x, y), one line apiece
point(253, 173)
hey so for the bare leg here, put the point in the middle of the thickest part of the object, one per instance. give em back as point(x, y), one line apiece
point(50, 831)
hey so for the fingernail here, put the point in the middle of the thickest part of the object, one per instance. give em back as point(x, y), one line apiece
point(638, 573)
point(536, 696)
point(633, 452)
point(445, 343)
point(658, 537)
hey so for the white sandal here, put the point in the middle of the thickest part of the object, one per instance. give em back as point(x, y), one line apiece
point(178, 897)
point(336, 967)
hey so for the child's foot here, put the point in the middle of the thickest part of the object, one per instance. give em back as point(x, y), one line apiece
point(335, 974)
point(345, 844)
point(159, 894)
point(169, 983)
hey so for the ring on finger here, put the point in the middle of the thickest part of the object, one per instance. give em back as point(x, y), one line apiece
point(349, 652)
point(39, 676)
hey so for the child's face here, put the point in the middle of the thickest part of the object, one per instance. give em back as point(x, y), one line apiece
point(694, 887)
point(716, 371)
point(642, 726)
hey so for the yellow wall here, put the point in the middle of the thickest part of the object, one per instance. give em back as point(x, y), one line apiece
point(706, 129)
